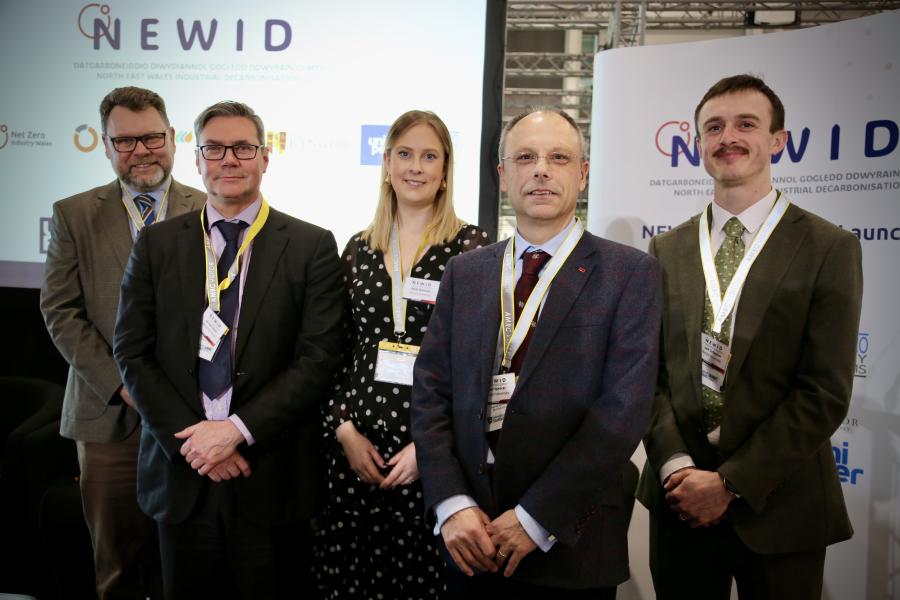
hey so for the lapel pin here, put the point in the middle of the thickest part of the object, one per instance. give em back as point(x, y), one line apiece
point(582, 269)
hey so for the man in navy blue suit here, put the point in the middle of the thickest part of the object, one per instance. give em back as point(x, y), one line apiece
point(534, 384)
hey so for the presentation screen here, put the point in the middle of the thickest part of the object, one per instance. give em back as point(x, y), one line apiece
point(327, 78)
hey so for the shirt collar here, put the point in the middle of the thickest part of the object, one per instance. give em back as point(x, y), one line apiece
point(752, 218)
point(248, 215)
point(156, 193)
point(550, 246)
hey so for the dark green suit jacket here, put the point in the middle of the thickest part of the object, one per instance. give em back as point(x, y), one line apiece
point(788, 385)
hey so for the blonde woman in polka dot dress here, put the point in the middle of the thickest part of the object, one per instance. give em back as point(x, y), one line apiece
point(373, 541)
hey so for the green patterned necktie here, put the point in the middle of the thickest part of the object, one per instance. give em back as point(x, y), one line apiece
point(727, 260)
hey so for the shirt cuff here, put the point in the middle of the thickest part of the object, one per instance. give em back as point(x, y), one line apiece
point(449, 507)
point(540, 536)
point(676, 462)
point(242, 428)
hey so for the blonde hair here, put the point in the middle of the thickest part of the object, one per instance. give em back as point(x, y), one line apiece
point(444, 223)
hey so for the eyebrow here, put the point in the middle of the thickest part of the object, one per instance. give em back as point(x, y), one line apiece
point(411, 148)
point(235, 143)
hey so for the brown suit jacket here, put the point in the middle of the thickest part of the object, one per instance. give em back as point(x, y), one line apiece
point(788, 386)
point(89, 248)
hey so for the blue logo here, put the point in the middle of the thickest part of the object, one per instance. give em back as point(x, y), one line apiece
point(862, 351)
point(846, 473)
point(371, 146)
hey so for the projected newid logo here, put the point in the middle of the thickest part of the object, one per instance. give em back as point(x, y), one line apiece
point(93, 137)
point(96, 23)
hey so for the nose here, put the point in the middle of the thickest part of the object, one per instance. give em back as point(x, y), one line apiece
point(729, 134)
point(541, 167)
point(416, 164)
point(230, 158)
point(140, 148)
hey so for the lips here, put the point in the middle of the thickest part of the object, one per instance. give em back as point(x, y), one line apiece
point(541, 193)
point(414, 183)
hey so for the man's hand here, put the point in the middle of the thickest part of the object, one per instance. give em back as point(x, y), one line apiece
point(405, 468)
point(126, 397)
point(364, 459)
point(468, 542)
point(698, 497)
point(209, 443)
point(232, 467)
point(511, 540)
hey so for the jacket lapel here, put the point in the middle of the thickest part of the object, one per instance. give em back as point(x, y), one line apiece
point(765, 275)
point(692, 289)
point(563, 293)
point(191, 268)
point(489, 310)
point(264, 258)
point(114, 222)
point(179, 200)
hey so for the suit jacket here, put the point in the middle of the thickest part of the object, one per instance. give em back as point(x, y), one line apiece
point(788, 383)
point(580, 406)
point(287, 346)
point(89, 246)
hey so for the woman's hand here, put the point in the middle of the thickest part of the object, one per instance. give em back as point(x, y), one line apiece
point(361, 454)
point(405, 468)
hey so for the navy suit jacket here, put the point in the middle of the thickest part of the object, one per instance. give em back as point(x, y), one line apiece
point(581, 404)
point(288, 343)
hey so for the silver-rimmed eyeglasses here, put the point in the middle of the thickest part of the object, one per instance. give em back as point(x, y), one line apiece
point(525, 158)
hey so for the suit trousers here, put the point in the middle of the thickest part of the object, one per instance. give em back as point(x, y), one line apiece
point(494, 586)
point(699, 564)
point(218, 553)
point(126, 551)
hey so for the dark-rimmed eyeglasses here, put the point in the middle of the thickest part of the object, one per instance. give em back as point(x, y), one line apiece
point(524, 159)
point(240, 151)
point(151, 141)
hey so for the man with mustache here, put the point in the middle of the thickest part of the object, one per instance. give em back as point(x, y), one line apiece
point(92, 234)
point(762, 306)
point(533, 386)
point(227, 336)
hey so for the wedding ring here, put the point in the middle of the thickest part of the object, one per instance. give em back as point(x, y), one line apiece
point(501, 555)
point(682, 516)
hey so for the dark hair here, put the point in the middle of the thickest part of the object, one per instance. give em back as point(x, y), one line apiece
point(229, 108)
point(549, 109)
point(132, 98)
point(741, 83)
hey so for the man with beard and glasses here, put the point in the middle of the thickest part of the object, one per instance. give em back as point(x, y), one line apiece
point(92, 234)
point(760, 321)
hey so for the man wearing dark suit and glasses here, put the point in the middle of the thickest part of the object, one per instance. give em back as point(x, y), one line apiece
point(762, 306)
point(533, 386)
point(92, 234)
point(227, 337)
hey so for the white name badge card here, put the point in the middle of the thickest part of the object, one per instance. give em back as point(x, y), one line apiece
point(502, 387)
point(714, 357)
point(421, 290)
point(395, 362)
point(211, 332)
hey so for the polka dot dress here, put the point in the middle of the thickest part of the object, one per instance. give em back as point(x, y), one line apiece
point(373, 543)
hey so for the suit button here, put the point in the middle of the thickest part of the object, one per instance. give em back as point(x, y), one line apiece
point(480, 414)
point(482, 468)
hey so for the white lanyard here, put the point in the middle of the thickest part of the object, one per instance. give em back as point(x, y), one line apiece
point(723, 305)
point(213, 286)
point(513, 332)
point(132, 210)
point(398, 302)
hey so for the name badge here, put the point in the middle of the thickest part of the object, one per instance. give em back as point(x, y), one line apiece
point(502, 387)
point(212, 331)
point(395, 362)
point(421, 290)
point(714, 357)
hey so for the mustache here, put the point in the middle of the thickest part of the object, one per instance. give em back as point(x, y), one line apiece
point(718, 153)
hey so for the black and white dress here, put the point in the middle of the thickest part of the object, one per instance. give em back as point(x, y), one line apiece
point(374, 543)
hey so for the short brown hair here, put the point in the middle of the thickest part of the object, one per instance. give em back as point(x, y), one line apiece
point(229, 108)
point(742, 83)
point(134, 99)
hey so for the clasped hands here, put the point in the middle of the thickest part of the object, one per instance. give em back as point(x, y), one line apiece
point(478, 544)
point(210, 447)
point(698, 497)
point(368, 464)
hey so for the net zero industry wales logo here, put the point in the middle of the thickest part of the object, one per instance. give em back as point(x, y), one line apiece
point(85, 138)
point(4, 135)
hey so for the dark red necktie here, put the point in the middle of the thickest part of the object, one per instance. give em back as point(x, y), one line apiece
point(532, 263)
